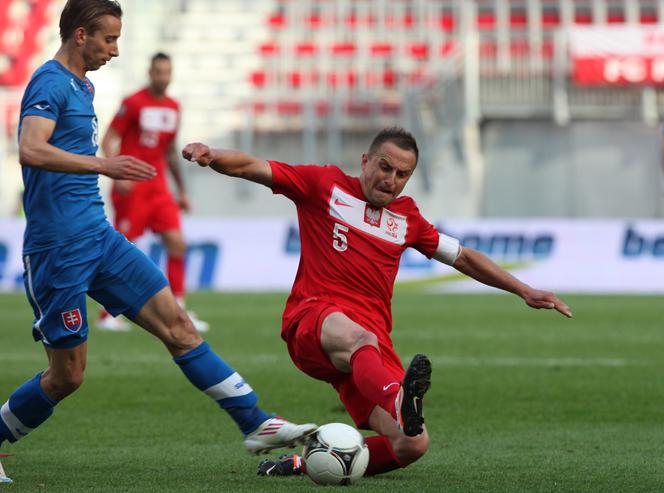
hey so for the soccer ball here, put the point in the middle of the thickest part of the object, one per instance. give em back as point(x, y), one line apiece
point(335, 454)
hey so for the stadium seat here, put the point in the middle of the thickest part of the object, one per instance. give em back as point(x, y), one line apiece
point(289, 108)
point(269, 48)
point(258, 78)
point(277, 20)
point(343, 49)
point(418, 50)
point(306, 49)
point(447, 21)
point(381, 49)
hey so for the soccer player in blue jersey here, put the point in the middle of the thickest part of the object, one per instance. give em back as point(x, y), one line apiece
point(70, 249)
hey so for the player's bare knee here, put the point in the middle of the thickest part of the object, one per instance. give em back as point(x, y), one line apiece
point(61, 384)
point(362, 338)
point(410, 449)
point(183, 334)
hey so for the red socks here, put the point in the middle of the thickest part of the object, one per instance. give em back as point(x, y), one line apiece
point(372, 379)
point(175, 269)
point(381, 456)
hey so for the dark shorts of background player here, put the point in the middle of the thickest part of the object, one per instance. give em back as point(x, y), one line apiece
point(105, 266)
point(140, 210)
point(306, 351)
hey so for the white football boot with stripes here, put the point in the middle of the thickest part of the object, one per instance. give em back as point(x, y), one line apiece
point(277, 433)
point(3, 477)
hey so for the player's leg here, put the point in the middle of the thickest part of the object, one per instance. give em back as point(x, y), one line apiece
point(176, 250)
point(130, 219)
point(55, 283)
point(137, 288)
point(165, 221)
point(391, 449)
point(353, 349)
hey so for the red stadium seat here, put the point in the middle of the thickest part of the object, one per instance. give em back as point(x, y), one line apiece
point(486, 21)
point(314, 20)
point(583, 16)
point(351, 20)
point(277, 20)
point(289, 108)
point(381, 49)
point(550, 19)
point(518, 19)
point(347, 79)
point(488, 48)
point(358, 108)
point(390, 107)
point(306, 49)
point(418, 50)
point(648, 17)
point(343, 49)
point(258, 78)
point(269, 48)
point(615, 16)
point(447, 21)
point(447, 47)
point(322, 107)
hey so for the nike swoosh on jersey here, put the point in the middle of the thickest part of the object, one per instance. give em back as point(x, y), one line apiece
point(341, 202)
point(42, 106)
point(389, 385)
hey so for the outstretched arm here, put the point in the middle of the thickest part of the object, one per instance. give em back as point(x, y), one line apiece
point(230, 162)
point(478, 266)
point(35, 151)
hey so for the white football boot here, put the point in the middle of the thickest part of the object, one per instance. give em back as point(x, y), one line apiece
point(3, 477)
point(199, 325)
point(112, 324)
point(277, 433)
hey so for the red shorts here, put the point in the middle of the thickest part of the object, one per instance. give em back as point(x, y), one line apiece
point(304, 346)
point(135, 212)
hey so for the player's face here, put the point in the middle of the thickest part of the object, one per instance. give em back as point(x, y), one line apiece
point(385, 173)
point(160, 76)
point(102, 45)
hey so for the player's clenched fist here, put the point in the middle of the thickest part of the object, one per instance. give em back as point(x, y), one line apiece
point(127, 168)
point(197, 153)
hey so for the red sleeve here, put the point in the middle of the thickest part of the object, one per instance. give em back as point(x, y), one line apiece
point(295, 182)
point(426, 236)
point(123, 117)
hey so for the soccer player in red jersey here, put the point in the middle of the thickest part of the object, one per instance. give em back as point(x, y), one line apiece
point(338, 320)
point(146, 127)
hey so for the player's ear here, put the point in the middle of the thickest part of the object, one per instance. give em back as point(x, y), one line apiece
point(365, 160)
point(80, 35)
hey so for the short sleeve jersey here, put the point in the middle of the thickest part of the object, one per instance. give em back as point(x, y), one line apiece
point(61, 207)
point(350, 250)
point(147, 127)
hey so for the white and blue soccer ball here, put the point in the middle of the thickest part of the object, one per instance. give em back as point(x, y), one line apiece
point(335, 454)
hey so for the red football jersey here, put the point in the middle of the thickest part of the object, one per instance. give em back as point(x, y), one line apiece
point(147, 127)
point(350, 250)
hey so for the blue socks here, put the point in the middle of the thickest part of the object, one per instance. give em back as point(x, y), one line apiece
point(209, 373)
point(26, 409)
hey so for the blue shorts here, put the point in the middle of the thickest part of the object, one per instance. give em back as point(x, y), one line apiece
point(105, 266)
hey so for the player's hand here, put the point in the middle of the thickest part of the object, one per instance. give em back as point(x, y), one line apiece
point(197, 153)
point(127, 168)
point(123, 187)
point(184, 203)
point(536, 298)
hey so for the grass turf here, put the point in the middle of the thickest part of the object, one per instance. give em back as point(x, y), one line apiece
point(521, 401)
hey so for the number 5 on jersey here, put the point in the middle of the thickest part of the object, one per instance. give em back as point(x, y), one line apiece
point(339, 239)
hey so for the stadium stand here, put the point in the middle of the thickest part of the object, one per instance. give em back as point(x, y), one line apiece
point(306, 77)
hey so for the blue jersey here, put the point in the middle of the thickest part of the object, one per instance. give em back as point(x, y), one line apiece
point(61, 207)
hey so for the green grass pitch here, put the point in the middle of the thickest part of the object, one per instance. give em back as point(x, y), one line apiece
point(521, 400)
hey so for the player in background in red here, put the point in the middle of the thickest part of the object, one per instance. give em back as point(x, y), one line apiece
point(338, 319)
point(146, 127)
